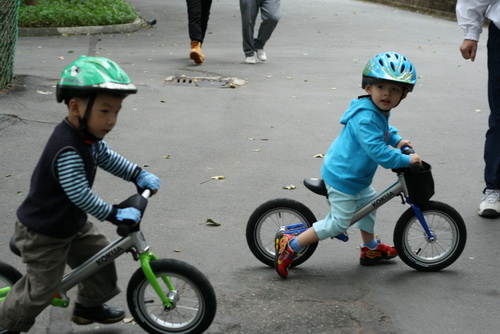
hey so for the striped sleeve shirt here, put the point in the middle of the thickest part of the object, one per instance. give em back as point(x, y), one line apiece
point(71, 171)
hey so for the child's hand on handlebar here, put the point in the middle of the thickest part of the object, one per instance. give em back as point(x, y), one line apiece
point(415, 159)
point(146, 180)
point(128, 214)
point(403, 142)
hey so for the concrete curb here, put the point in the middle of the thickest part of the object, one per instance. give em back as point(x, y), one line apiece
point(90, 30)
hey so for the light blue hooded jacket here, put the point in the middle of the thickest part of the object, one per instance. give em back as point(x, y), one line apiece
point(362, 145)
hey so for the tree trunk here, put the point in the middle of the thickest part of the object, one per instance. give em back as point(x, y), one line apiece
point(31, 2)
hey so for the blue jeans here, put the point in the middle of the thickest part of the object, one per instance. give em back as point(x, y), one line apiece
point(492, 146)
point(342, 208)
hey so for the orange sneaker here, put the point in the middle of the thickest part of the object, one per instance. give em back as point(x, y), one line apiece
point(284, 255)
point(370, 257)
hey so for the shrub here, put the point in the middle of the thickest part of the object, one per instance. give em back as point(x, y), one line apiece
point(72, 13)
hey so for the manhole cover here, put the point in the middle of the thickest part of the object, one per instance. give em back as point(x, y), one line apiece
point(213, 82)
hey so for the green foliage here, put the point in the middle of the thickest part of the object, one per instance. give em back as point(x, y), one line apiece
point(72, 13)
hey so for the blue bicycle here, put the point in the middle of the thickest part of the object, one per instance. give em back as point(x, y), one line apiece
point(429, 236)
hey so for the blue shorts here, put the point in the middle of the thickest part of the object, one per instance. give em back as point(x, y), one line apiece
point(342, 208)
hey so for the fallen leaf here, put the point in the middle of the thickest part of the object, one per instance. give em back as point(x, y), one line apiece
point(129, 321)
point(177, 250)
point(220, 177)
point(257, 150)
point(168, 156)
point(290, 187)
point(145, 165)
point(43, 92)
point(319, 155)
point(478, 110)
point(212, 222)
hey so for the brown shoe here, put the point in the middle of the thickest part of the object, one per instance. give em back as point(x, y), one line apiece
point(195, 53)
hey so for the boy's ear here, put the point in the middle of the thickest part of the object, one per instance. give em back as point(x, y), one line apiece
point(74, 107)
point(405, 92)
point(368, 89)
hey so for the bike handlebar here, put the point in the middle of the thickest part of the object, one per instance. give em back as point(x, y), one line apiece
point(138, 201)
point(414, 168)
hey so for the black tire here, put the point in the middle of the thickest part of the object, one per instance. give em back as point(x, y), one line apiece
point(266, 220)
point(193, 312)
point(8, 277)
point(415, 248)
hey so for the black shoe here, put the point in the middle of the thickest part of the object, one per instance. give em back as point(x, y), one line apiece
point(102, 314)
point(5, 331)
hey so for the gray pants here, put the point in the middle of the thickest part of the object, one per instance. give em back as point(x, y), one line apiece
point(270, 12)
point(46, 259)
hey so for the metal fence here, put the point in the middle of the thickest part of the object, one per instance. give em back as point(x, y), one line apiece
point(9, 10)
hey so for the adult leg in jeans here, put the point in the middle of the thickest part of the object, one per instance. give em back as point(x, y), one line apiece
point(270, 12)
point(492, 148)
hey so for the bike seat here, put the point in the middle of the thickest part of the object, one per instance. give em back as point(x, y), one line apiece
point(12, 245)
point(316, 185)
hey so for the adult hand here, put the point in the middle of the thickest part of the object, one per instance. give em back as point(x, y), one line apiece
point(469, 49)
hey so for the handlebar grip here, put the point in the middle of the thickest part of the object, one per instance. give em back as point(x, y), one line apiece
point(124, 228)
point(407, 150)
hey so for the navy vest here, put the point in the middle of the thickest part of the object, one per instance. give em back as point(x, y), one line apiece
point(47, 210)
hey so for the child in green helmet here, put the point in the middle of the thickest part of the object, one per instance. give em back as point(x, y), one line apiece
point(52, 230)
point(350, 164)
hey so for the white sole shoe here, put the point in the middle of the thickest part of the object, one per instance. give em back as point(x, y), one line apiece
point(250, 60)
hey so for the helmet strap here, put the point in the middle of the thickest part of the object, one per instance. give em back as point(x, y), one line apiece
point(87, 136)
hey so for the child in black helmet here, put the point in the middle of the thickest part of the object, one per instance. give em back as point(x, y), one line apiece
point(52, 230)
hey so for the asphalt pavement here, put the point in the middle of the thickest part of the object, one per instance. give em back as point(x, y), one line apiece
point(260, 126)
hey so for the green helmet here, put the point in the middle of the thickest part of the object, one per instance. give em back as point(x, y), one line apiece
point(88, 76)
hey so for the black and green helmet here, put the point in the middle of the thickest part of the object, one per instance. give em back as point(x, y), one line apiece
point(89, 76)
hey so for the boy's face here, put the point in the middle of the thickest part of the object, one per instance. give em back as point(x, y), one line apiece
point(103, 116)
point(386, 95)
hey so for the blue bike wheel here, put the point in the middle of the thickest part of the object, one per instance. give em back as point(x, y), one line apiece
point(448, 239)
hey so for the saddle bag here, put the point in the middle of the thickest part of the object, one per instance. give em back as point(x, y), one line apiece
point(420, 184)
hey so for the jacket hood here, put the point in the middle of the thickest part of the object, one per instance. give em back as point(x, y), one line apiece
point(361, 103)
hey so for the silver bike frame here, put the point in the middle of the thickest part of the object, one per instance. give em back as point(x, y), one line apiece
point(381, 198)
point(135, 240)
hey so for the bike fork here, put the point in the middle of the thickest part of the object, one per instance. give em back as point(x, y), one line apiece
point(3, 293)
point(423, 222)
point(172, 298)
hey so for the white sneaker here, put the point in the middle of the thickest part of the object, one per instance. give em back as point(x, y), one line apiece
point(250, 60)
point(261, 55)
point(490, 205)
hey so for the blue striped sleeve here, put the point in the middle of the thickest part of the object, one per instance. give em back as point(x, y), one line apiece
point(71, 171)
point(114, 163)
